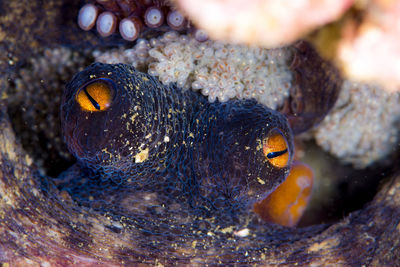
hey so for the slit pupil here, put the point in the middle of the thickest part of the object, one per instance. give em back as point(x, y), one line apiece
point(275, 154)
point(91, 99)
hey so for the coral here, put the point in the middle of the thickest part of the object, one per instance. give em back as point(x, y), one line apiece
point(268, 23)
point(379, 32)
point(363, 126)
point(41, 225)
point(34, 97)
point(219, 70)
point(346, 31)
point(352, 28)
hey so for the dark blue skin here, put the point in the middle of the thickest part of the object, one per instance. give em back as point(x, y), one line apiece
point(173, 142)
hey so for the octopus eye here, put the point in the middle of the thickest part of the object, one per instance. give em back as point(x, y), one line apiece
point(96, 95)
point(275, 149)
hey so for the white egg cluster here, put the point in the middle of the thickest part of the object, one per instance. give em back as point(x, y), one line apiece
point(221, 71)
point(361, 129)
point(363, 126)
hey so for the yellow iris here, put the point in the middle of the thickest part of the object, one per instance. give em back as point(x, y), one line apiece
point(96, 96)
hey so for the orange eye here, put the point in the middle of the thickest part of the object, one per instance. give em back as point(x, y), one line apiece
point(275, 149)
point(96, 95)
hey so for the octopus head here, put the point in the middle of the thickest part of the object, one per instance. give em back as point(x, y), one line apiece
point(95, 107)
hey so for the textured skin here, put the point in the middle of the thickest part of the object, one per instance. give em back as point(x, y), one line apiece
point(316, 87)
point(158, 138)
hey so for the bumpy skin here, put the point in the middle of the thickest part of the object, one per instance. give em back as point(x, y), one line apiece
point(316, 87)
point(155, 136)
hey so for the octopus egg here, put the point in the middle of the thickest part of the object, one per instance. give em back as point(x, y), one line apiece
point(87, 16)
point(106, 24)
point(130, 28)
point(153, 17)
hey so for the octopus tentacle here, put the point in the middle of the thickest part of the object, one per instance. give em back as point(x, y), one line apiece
point(133, 17)
point(87, 16)
point(315, 89)
point(106, 24)
point(287, 203)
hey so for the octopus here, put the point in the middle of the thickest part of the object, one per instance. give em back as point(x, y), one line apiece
point(133, 17)
point(42, 225)
point(124, 125)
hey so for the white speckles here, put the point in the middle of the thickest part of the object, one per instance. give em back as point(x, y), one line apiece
point(142, 156)
point(117, 224)
point(105, 151)
point(166, 139)
point(28, 160)
point(134, 116)
point(35, 192)
point(148, 136)
point(259, 144)
point(332, 242)
point(242, 232)
point(227, 230)
point(260, 181)
point(45, 264)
